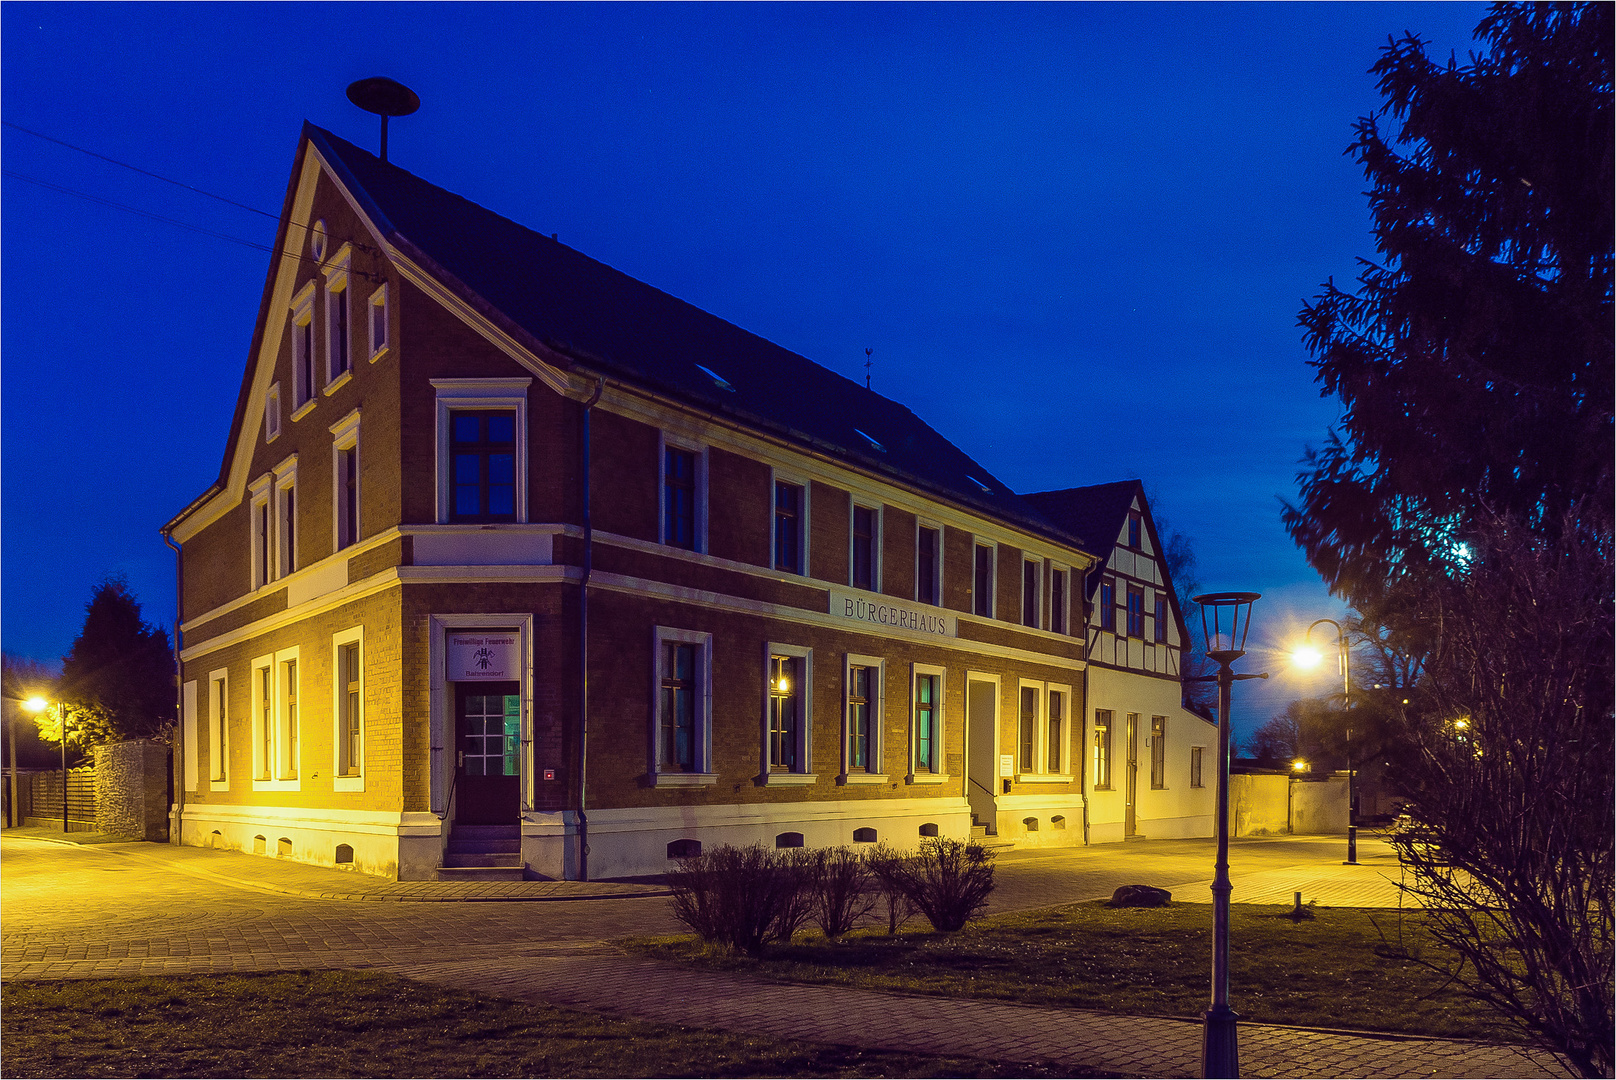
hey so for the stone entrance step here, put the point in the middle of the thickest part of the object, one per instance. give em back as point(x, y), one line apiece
point(483, 853)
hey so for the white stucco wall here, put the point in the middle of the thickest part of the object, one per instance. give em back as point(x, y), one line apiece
point(1174, 810)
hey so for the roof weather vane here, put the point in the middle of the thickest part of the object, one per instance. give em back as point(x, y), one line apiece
point(867, 363)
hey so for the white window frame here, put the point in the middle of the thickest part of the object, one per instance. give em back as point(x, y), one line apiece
point(804, 773)
point(281, 772)
point(260, 543)
point(1040, 773)
point(937, 527)
point(1196, 782)
point(876, 532)
point(1066, 599)
point(940, 712)
point(703, 775)
point(337, 280)
point(993, 577)
point(219, 729)
point(779, 476)
point(1037, 592)
point(1065, 773)
point(345, 436)
point(303, 397)
point(1162, 750)
point(341, 781)
point(378, 299)
point(285, 547)
point(666, 440)
point(488, 395)
point(875, 772)
point(272, 413)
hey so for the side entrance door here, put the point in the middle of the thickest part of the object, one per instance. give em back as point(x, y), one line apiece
point(488, 737)
point(1131, 779)
point(982, 762)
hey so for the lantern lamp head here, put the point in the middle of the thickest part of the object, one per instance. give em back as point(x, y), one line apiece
point(1226, 620)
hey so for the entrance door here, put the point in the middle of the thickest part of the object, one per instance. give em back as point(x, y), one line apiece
point(488, 736)
point(1131, 779)
point(982, 720)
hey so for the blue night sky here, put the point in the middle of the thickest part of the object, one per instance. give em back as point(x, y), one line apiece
point(1076, 236)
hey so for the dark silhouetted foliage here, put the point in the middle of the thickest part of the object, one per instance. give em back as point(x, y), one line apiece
point(119, 677)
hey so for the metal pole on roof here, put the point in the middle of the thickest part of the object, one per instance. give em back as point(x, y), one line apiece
point(385, 98)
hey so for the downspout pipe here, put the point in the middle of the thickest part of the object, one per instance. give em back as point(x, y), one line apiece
point(583, 642)
point(177, 768)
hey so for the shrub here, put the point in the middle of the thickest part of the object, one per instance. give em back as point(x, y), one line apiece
point(886, 866)
point(843, 889)
point(743, 897)
point(948, 881)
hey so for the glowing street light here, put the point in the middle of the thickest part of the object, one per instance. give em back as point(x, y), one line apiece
point(1306, 656)
point(38, 704)
point(1299, 765)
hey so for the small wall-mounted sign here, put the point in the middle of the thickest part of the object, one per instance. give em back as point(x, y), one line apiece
point(1007, 765)
point(494, 657)
point(549, 774)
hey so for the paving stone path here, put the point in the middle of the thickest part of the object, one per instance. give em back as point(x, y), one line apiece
point(127, 909)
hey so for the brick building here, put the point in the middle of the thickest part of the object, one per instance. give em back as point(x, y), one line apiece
point(515, 561)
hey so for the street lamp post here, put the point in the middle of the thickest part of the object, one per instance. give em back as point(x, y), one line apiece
point(1225, 621)
point(1308, 658)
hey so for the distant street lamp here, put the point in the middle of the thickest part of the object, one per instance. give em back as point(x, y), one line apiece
point(39, 704)
point(1225, 621)
point(1306, 656)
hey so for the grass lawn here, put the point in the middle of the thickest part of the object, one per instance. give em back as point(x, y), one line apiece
point(1336, 970)
point(366, 1023)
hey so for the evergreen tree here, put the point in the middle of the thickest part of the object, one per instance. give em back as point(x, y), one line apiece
point(119, 676)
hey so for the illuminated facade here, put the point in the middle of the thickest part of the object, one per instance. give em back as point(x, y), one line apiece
point(810, 618)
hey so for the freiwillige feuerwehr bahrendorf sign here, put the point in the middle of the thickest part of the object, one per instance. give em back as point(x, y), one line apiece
point(495, 657)
point(904, 617)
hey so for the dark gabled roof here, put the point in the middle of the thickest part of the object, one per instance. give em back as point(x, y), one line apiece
point(1095, 513)
point(609, 323)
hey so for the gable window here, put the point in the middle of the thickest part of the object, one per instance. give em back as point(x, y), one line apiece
point(1031, 570)
point(345, 480)
point(338, 331)
point(1136, 611)
point(788, 532)
point(789, 696)
point(926, 719)
point(1161, 616)
point(378, 323)
point(982, 593)
point(679, 498)
point(1102, 749)
point(303, 351)
point(482, 455)
point(285, 527)
point(864, 678)
point(928, 565)
point(866, 545)
point(1158, 751)
point(484, 422)
point(1057, 601)
point(1195, 766)
point(1133, 529)
point(219, 729)
point(1108, 604)
point(272, 414)
point(262, 524)
point(349, 709)
point(682, 722)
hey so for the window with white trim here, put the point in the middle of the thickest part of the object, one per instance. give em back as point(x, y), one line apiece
point(377, 310)
point(338, 320)
point(1108, 603)
point(1103, 721)
point(982, 580)
point(272, 413)
point(219, 729)
point(1136, 611)
point(788, 717)
point(459, 398)
point(1031, 728)
point(1158, 751)
point(285, 526)
point(482, 460)
point(348, 710)
point(926, 720)
point(1032, 571)
point(865, 552)
point(302, 326)
point(683, 510)
point(681, 735)
point(276, 720)
point(864, 680)
point(1058, 598)
point(1161, 617)
point(1195, 766)
point(928, 564)
point(1056, 756)
point(345, 481)
point(288, 721)
point(261, 525)
point(1042, 744)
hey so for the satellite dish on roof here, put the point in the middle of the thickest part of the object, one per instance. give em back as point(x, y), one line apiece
point(385, 97)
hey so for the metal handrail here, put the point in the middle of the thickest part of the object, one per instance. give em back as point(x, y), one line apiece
point(979, 784)
point(448, 798)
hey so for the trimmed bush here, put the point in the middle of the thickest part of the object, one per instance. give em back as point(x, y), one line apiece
point(843, 890)
point(948, 881)
point(744, 897)
point(886, 866)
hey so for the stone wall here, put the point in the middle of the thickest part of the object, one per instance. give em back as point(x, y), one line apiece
point(131, 790)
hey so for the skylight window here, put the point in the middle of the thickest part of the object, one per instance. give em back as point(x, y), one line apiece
point(871, 441)
point(978, 483)
point(722, 383)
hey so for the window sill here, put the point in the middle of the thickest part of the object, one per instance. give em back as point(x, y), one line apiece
point(277, 785)
point(862, 778)
point(683, 779)
point(339, 382)
point(928, 778)
point(379, 353)
point(347, 783)
point(1045, 778)
point(218, 785)
point(304, 409)
point(789, 779)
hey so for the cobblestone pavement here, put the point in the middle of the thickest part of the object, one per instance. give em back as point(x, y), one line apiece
point(128, 909)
